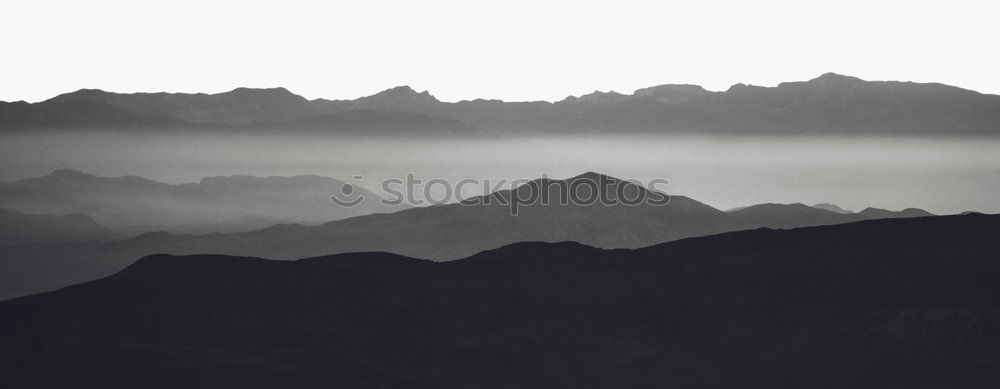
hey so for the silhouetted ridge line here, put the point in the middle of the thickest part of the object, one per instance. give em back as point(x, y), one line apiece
point(830, 104)
point(883, 302)
point(440, 232)
point(132, 205)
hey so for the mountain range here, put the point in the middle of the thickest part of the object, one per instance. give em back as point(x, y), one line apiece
point(18, 228)
point(132, 205)
point(882, 303)
point(439, 232)
point(830, 104)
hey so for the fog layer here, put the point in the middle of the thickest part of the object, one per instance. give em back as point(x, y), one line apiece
point(940, 175)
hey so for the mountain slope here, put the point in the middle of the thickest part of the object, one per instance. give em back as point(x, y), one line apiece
point(238, 107)
point(790, 216)
point(831, 207)
point(78, 114)
point(131, 204)
point(441, 232)
point(878, 213)
point(903, 302)
point(20, 228)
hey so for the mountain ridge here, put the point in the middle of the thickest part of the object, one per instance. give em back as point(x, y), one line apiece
point(829, 104)
point(828, 78)
point(17, 228)
point(439, 232)
point(902, 302)
point(133, 204)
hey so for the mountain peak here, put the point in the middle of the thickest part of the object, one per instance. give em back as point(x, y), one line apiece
point(278, 93)
point(70, 174)
point(827, 80)
point(278, 89)
point(596, 97)
point(83, 94)
point(672, 93)
point(885, 213)
point(593, 176)
point(400, 98)
point(743, 88)
point(404, 90)
point(89, 91)
point(831, 78)
point(832, 208)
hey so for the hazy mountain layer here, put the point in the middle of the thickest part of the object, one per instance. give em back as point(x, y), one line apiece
point(19, 228)
point(79, 114)
point(133, 205)
point(886, 303)
point(831, 207)
point(442, 232)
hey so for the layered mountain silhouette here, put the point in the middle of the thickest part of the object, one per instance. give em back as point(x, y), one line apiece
point(20, 228)
point(132, 204)
point(238, 107)
point(831, 207)
point(878, 213)
point(830, 104)
point(883, 303)
point(79, 114)
point(440, 232)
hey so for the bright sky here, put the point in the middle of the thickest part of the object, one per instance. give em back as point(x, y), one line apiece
point(511, 50)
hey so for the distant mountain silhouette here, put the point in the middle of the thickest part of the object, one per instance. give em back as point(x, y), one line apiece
point(830, 104)
point(238, 107)
point(440, 232)
point(789, 216)
point(242, 109)
point(878, 213)
point(401, 99)
point(78, 114)
point(672, 93)
point(20, 228)
point(831, 207)
point(132, 204)
point(801, 215)
point(885, 303)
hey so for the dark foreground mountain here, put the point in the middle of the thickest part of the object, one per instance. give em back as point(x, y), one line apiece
point(441, 232)
point(133, 205)
point(20, 228)
point(909, 303)
point(830, 104)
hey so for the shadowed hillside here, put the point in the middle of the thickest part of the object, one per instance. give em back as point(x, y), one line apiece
point(887, 303)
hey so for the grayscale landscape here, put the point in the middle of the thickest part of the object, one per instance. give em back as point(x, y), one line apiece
point(346, 195)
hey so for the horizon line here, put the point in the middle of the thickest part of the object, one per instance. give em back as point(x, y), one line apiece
point(427, 91)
